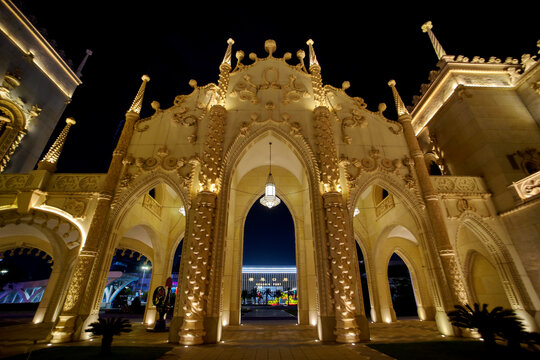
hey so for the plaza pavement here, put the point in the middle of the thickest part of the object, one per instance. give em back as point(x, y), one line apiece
point(276, 339)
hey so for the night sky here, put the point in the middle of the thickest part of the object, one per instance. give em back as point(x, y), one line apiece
point(173, 43)
point(269, 236)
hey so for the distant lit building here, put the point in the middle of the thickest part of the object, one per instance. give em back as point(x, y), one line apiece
point(268, 277)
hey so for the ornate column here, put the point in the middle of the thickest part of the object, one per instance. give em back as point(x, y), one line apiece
point(192, 331)
point(82, 294)
point(340, 240)
point(450, 278)
point(200, 239)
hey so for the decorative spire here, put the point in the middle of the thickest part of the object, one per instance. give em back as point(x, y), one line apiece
point(137, 103)
point(312, 57)
point(436, 45)
point(400, 106)
point(227, 58)
point(51, 159)
point(83, 62)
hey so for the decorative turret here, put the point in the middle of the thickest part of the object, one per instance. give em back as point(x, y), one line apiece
point(315, 70)
point(83, 62)
point(137, 103)
point(436, 45)
point(50, 160)
point(400, 106)
point(228, 54)
point(224, 71)
point(313, 63)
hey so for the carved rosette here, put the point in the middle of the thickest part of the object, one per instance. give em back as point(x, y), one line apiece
point(200, 243)
point(341, 268)
point(327, 150)
point(211, 158)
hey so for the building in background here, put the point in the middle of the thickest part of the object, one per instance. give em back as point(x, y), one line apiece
point(257, 279)
point(36, 85)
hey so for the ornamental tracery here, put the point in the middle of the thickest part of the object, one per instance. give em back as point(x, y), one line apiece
point(66, 230)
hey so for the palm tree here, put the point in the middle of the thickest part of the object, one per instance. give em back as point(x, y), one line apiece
point(108, 327)
point(277, 294)
point(488, 323)
point(253, 293)
point(267, 292)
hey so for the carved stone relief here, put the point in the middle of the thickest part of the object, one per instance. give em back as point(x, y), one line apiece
point(292, 90)
point(453, 185)
point(356, 167)
point(76, 206)
point(76, 183)
point(12, 182)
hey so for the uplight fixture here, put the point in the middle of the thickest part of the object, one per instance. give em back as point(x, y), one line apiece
point(270, 199)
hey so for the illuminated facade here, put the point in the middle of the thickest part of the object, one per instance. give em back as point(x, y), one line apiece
point(451, 186)
point(281, 278)
point(36, 84)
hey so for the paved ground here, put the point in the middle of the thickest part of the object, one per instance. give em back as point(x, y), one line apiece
point(278, 339)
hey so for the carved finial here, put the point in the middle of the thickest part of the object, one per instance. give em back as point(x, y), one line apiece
point(227, 57)
point(50, 160)
point(301, 54)
point(312, 57)
point(436, 45)
point(270, 46)
point(83, 62)
point(400, 106)
point(137, 103)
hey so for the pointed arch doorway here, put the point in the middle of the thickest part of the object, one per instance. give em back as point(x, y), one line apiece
point(243, 184)
point(269, 264)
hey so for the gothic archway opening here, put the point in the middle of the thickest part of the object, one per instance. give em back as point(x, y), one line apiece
point(244, 183)
point(401, 288)
point(127, 287)
point(150, 227)
point(24, 276)
point(269, 288)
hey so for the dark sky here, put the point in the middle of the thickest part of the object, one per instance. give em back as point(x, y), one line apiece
point(173, 43)
point(269, 236)
point(367, 45)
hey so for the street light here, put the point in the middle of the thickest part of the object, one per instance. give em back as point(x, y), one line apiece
point(3, 271)
point(144, 268)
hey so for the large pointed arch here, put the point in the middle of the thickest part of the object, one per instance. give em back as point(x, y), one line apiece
point(55, 234)
point(121, 205)
point(512, 281)
point(417, 227)
point(300, 149)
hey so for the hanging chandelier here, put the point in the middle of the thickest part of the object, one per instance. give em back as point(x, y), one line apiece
point(270, 199)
